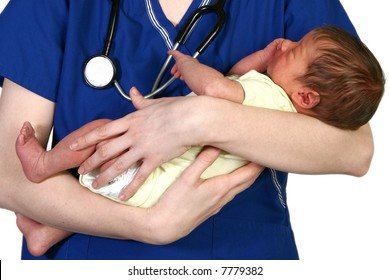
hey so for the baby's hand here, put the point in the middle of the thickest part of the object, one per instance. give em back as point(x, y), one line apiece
point(181, 59)
point(175, 70)
point(270, 50)
point(278, 43)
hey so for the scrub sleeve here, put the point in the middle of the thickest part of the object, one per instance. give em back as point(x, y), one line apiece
point(44, 45)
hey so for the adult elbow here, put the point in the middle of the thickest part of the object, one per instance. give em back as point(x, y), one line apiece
point(363, 161)
point(361, 151)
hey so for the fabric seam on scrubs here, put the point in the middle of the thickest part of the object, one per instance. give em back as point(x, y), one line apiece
point(160, 29)
point(278, 187)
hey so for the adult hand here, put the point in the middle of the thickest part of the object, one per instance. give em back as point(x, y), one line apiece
point(191, 200)
point(150, 136)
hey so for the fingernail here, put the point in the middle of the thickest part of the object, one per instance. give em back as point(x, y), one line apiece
point(73, 146)
point(122, 197)
point(81, 170)
point(134, 91)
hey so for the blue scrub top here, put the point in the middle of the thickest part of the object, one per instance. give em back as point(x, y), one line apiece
point(44, 45)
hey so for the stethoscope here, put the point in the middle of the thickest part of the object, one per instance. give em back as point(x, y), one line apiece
point(100, 71)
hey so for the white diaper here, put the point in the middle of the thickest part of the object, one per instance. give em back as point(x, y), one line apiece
point(113, 188)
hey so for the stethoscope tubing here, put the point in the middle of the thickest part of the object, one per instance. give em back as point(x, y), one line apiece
point(217, 8)
point(156, 90)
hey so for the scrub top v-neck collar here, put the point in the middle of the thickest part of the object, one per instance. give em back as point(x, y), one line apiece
point(163, 24)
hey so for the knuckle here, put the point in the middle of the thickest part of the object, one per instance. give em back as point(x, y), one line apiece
point(140, 177)
point(101, 132)
point(208, 156)
point(102, 151)
point(186, 181)
point(101, 144)
point(119, 166)
point(81, 140)
point(127, 191)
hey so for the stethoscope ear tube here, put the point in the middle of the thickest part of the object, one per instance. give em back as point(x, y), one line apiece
point(111, 26)
point(216, 8)
point(214, 32)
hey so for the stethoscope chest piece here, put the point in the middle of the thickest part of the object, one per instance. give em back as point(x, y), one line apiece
point(99, 71)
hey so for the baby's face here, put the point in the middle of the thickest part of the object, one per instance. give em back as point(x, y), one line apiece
point(291, 61)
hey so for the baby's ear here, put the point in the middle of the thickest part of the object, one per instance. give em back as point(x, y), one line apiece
point(306, 98)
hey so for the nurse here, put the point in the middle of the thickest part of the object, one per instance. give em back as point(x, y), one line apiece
point(43, 49)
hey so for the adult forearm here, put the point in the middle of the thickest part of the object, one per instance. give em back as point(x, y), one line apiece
point(62, 203)
point(59, 201)
point(286, 141)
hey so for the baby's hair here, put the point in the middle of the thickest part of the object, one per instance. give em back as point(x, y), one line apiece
point(347, 76)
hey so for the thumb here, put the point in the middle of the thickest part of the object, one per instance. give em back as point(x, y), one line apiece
point(204, 159)
point(138, 100)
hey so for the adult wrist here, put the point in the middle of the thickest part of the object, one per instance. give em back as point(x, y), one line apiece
point(203, 128)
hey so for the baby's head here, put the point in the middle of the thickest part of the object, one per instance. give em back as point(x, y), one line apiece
point(339, 81)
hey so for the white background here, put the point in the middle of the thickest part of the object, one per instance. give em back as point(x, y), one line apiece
point(341, 223)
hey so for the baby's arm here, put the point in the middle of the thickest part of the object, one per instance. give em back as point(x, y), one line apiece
point(204, 80)
point(258, 61)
